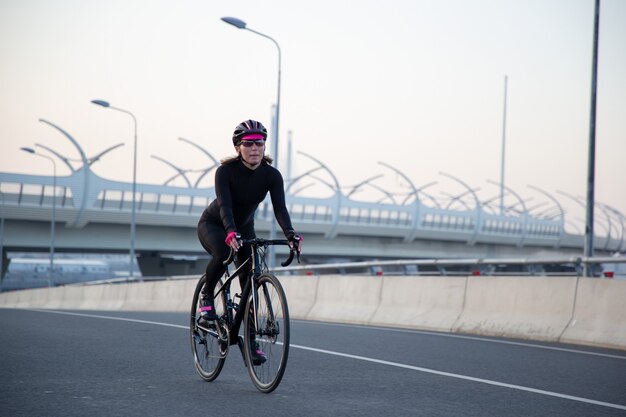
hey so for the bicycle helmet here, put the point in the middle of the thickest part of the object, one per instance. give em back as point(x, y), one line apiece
point(249, 127)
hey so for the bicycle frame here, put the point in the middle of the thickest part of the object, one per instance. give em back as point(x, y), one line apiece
point(234, 321)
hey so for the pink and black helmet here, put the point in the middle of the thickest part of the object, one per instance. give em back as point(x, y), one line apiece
point(251, 128)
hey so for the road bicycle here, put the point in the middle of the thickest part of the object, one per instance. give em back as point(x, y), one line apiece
point(261, 308)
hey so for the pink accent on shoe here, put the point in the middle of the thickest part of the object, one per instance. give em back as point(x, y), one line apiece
point(207, 308)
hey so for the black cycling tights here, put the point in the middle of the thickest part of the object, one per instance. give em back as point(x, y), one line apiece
point(212, 237)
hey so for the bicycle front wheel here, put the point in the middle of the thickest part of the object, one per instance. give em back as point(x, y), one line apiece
point(209, 340)
point(266, 334)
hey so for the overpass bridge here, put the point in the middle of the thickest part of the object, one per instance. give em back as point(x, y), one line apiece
point(94, 213)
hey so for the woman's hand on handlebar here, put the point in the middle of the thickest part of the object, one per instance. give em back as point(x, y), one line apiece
point(295, 242)
point(233, 240)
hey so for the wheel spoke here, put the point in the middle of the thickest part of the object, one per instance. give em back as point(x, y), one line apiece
point(272, 336)
point(209, 342)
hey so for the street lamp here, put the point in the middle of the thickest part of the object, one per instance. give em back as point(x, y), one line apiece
point(54, 206)
point(591, 162)
point(506, 78)
point(240, 24)
point(132, 216)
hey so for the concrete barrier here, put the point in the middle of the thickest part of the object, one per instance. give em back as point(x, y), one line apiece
point(301, 292)
point(430, 303)
point(528, 307)
point(75, 297)
point(112, 297)
point(345, 298)
point(567, 309)
point(169, 295)
point(599, 314)
point(43, 296)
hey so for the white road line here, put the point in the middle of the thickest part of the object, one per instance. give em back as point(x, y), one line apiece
point(459, 336)
point(95, 316)
point(378, 361)
point(464, 377)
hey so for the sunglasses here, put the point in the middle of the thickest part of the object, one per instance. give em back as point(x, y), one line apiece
point(249, 143)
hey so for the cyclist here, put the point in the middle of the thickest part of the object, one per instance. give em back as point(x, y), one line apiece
point(241, 184)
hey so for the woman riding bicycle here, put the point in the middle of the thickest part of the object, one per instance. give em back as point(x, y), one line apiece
point(241, 184)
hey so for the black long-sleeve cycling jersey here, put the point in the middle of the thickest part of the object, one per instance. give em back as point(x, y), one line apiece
point(239, 192)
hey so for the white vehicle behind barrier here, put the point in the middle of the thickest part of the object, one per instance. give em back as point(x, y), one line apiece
point(35, 272)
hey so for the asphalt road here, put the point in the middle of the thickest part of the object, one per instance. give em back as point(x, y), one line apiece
point(55, 363)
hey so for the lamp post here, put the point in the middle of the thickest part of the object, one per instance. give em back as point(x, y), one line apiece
point(240, 24)
point(54, 206)
point(132, 216)
point(503, 149)
point(591, 162)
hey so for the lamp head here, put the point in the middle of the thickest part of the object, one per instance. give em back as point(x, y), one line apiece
point(101, 103)
point(240, 24)
point(29, 150)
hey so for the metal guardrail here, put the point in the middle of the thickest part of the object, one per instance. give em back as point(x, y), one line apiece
point(577, 262)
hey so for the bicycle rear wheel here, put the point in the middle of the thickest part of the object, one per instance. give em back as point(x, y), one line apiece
point(209, 343)
point(269, 332)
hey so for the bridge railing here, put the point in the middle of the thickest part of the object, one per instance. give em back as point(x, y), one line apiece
point(90, 195)
point(103, 195)
point(411, 219)
point(163, 203)
point(19, 193)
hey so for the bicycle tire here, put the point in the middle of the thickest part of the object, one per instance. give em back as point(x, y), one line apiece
point(207, 343)
point(272, 334)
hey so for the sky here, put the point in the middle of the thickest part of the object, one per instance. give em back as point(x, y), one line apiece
point(418, 85)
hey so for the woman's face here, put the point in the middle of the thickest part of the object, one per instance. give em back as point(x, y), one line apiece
point(252, 151)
